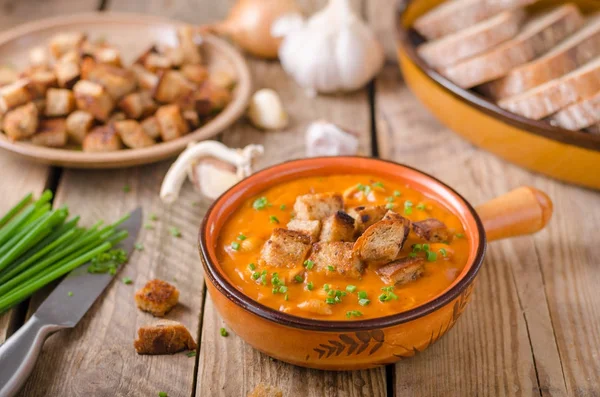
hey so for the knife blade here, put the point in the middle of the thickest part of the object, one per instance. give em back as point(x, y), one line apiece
point(60, 310)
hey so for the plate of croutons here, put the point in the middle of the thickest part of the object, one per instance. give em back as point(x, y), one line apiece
point(113, 90)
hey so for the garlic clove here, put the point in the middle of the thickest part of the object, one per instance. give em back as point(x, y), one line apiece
point(212, 177)
point(266, 111)
point(327, 139)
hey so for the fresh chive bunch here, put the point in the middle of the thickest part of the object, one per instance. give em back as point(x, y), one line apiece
point(39, 245)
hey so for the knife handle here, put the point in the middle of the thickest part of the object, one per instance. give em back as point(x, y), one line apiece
point(20, 352)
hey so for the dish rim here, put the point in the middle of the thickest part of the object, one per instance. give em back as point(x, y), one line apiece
point(131, 157)
point(479, 102)
point(245, 302)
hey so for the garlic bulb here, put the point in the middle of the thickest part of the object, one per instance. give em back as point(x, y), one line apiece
point(212, 167)
point(327, 139)
point(333, 51)
point(266, 111)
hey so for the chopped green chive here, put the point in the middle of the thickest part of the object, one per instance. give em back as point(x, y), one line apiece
point(139, 246)
point(389, 199)
point(162, 394)
point(299, 278)
point(126, 189)
point(70, 293)
point(309, 264)
point(282, 207)
point(443, 252)
point(421, 207)
point(286, 297)
point(224, 332)
point(364, 302)
point(459, 235)
point(387, 294)
point(273, 219)
point(425, 247)
point(351, 288)
point(252, 266)
point(283, 289)
point(310, 286)
point(412, 255)
point(326, 287)
point(389, 206)
point(362, 295)
point(260, 203)
point(377, 184)
point(235, 246)
point(352, 313)
point(397, 193)
point(175, 232)
point(191, 354)
point(127, 280)
point(255, 276)
point(330, 301)
point(408, 207)
point(331, 268)
point(148, 226)
point(365, 189)
point(241, 237)
point(153, 217)
point(431, 256)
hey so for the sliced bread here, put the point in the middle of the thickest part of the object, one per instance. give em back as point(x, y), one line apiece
point(568, 55)
point(582, 114)
point(554, 95)
point(454, 15)
point(471, 41)
point(539, 34)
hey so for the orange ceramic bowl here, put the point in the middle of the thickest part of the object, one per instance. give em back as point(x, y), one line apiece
point(340, 345)
point(570, 156)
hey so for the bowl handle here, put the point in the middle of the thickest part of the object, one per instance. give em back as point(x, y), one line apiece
point(524, 210)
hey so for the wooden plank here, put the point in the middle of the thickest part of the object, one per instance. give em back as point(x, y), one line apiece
point(20, 177)
point(532, 327)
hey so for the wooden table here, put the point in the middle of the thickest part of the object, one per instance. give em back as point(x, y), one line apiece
point(533, 327)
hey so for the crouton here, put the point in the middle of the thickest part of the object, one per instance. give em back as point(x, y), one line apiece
point(216, 97)
point(51, 133)
point(155, 62)
point(79, 123)
point(62, 43)
point(171, 86)
point(171, 122)
point(337, 227)
point(285, 248)
point(67, 73)
point(8, 75)
point(38, 56)
point(402, 271)
point(40, 82)
point(144, 78)
point(132, 134)
point(315, 306)
point(191, 118)
point(13, 95)
point(164, 337)
point(116, 116)
point(195, 73)
point(187, 43)
point(59, 102)
point(337, 257)
point(40, 104)
point(118, 82)
point(175, 55)
point(151, 127)
point(366, 216)
point(310, 228)
point(93, 98)
point(222, 79)
point(432, 230)
point(70, 57)
point(21, 122)
point(381, 242)
point(108, 55)
point(157, 297)
point(102, 139)
point(317, 206)
point(137, 105)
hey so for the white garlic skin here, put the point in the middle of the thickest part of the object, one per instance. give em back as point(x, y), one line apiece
point(334, 51)
point(327, 139)
point(266, 111)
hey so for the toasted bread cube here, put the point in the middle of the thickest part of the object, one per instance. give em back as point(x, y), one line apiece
point(132, 134)
point(318, 206)
point(145, 79)
point(337, 257)
point(116, 116)
point(216, 97)
point(222, 79)
point(432, 230)
point(40, 104)
point(22, 122)
point(157, 297)
point(191, 118)
point(315, 306)
point(187, 43)
point(310, 228)
point(175, 55)
point(62, 43)
point(118, 82)
point(39, 83)
point(366, 216)
point(79, 123)
point(164, 337)
point(93, 98)
point(337, 227)
point(8, 75)
point(285, 248)
point(51, 133)
point(102, 139)
point(381, 242)
point(67, 73)
point(38, 56)
point(195, 73)
point(13, 95)
point(108, 55)
point(171, 86)
point(151, 127)
point(137, 105)
point(70, 57)
point(59, 102)
point(172, 124)
point(402, 271)
point(155, 62)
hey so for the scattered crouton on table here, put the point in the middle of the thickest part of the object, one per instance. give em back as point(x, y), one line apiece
point(164, 337)
point(157, 297)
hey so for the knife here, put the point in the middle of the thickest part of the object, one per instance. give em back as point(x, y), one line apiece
point(59, 311)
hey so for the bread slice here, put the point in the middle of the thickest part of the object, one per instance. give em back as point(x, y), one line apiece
point(539, 34)
point(554, 95)
point(454, 15)
point(471, 41)
point(582, 114)
point(568, 55)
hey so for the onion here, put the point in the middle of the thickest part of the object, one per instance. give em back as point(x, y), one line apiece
point(249, 25)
